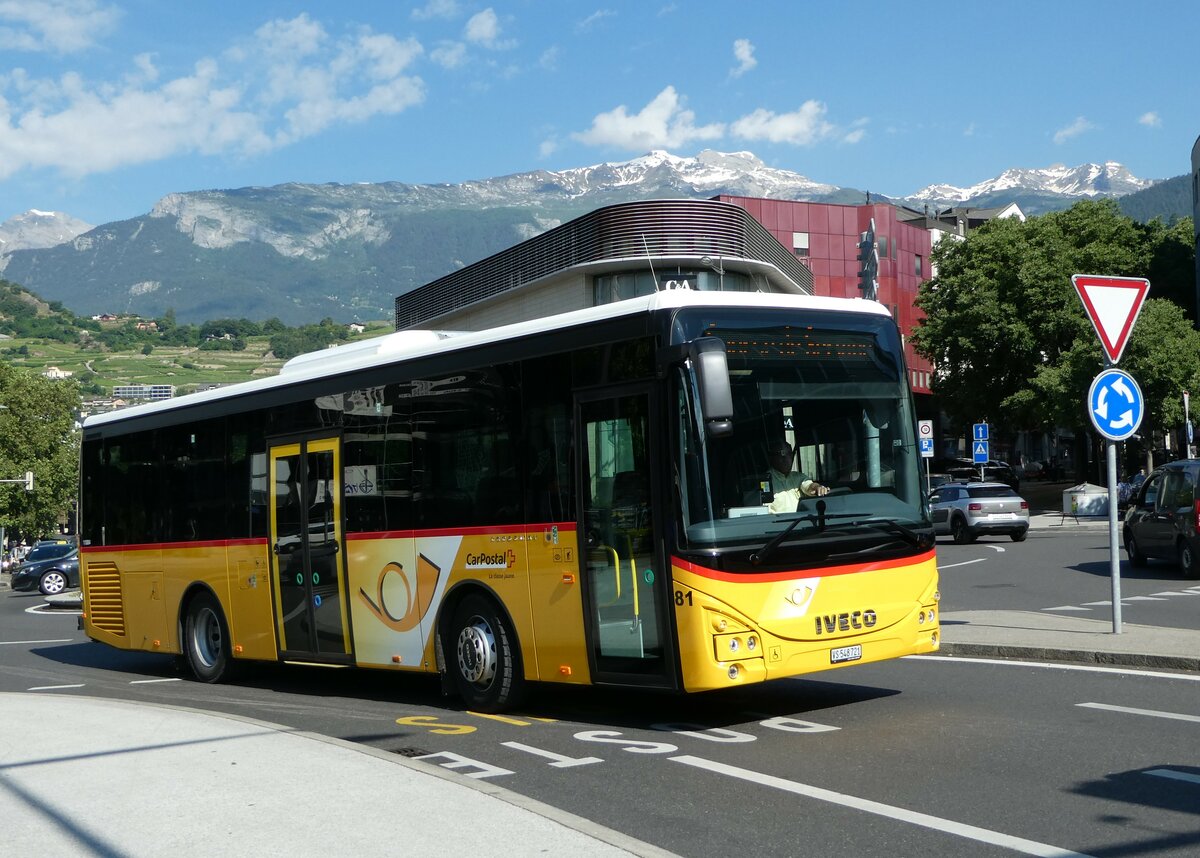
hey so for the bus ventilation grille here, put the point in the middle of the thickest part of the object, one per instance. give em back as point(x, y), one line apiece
point(105, 608)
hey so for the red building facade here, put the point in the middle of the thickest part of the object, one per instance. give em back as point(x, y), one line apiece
point(825, 237)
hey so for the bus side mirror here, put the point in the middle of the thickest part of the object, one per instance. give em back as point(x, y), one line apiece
point(707, 355)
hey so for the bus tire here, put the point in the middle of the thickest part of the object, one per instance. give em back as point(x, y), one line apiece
point(206, 639)
point(484, 658)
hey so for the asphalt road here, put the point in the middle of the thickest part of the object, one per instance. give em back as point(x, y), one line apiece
point(929, 756)
point(1064, 573)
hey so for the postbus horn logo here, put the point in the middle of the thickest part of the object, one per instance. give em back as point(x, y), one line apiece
point(417, 595)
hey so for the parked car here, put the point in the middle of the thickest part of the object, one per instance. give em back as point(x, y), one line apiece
point(50, 575)
point(966, 510)
point(965, 470)
point(1163, 518)
point(47, 549)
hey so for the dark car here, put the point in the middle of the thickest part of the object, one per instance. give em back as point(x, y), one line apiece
point(1163, 518)
point(965, 470)
point(50, 575)
point(966, 510)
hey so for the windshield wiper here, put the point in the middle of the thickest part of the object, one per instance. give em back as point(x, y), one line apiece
point(818, 521)
point(920, 540)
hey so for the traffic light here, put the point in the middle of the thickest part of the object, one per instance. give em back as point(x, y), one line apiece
point(29, 481)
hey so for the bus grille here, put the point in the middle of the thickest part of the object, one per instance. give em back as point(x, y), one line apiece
point(105, 608)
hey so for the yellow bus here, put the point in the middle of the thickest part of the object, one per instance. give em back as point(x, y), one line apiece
point(599, 497)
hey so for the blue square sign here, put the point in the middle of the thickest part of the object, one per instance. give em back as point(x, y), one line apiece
point(979, 452)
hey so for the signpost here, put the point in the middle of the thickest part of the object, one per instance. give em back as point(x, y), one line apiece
point(979, 446)
point(1114, 401)
point(925, 439)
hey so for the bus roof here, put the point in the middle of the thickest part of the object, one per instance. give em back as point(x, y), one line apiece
point(399, 346)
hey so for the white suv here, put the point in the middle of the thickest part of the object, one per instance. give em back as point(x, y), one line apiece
point(966, 510)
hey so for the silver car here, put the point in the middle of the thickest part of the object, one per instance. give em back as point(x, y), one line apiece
point(966, 510)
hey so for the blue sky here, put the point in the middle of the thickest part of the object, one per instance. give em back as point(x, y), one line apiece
point(105, 107)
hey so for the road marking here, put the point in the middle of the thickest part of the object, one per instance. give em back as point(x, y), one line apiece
point(1053, 665)
point(52, 640)
point(1068, 608)
point(149, 681)
point(1173, 775)
point(46, 609)
point(964, 563)
point(999, 548)
point(1175, 593)
point(1153, 713)
point(560, 761)
point(53, 687)
point(947, 826)
point(1141, 599)
point(458, 761)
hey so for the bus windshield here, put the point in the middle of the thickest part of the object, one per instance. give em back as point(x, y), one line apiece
point(822, 444)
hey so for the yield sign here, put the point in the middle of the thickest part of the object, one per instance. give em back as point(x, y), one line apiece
point(1113, 304)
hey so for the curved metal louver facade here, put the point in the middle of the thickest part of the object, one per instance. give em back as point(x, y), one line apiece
point(655, 228)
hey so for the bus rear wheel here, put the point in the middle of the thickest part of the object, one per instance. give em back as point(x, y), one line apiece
point(206, 639)
point(484, 658)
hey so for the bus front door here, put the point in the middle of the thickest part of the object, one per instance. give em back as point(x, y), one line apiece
point(308, 568)
point(624, 582)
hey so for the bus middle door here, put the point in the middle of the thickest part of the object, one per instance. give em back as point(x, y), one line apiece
point(624, 582)
point(308, 550)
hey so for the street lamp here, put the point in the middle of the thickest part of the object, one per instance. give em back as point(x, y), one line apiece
point(717, 267)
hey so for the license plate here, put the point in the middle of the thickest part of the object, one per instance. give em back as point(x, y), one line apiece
point(845, 653)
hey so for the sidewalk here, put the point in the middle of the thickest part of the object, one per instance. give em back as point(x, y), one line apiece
point(106, 777)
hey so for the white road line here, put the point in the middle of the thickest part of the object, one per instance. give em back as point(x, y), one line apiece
point(52, 640)
point(1175, 593)
point(964, 563)
point(1174, 775)
point(946, 826)
point(999, 548)
point(1153, 713)
point(149, 681)
point(53, 687)
point(1053, 665)
point(1068, 608)
point(1142, 599)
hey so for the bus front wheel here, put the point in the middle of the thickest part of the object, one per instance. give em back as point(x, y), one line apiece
point(484, 658)
point(206, 639)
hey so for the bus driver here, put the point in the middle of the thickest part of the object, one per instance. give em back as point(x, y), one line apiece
point(788, 485)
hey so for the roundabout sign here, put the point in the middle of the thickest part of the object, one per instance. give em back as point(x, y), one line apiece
point(1115, 404)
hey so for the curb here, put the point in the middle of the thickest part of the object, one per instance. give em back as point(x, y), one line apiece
point(1077, 656)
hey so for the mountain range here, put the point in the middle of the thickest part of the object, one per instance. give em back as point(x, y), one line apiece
point(301, 252)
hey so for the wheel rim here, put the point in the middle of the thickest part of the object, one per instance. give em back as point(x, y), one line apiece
point(477, 652)
point(1185, 558)
point(54, 582)
point(206, 637)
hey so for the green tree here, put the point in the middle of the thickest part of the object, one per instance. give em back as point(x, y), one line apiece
point(37, 433)
point(1008, 335)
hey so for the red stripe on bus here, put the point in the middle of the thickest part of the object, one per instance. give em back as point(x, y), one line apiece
point(163, 546)
point(851, 569)
point(485, 530)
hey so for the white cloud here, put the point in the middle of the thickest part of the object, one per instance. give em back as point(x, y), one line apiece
point(436, 9)
point(290, 81)
point(661, 124)
point(548, 147)
point(1079, 126)
point(593, 19)
point(1150, 119)
point(743, 52)
point(483, 28)
point(449, 55)
point(969, 131)
point(802, 127)
point(549, 58)
point(54, 26)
